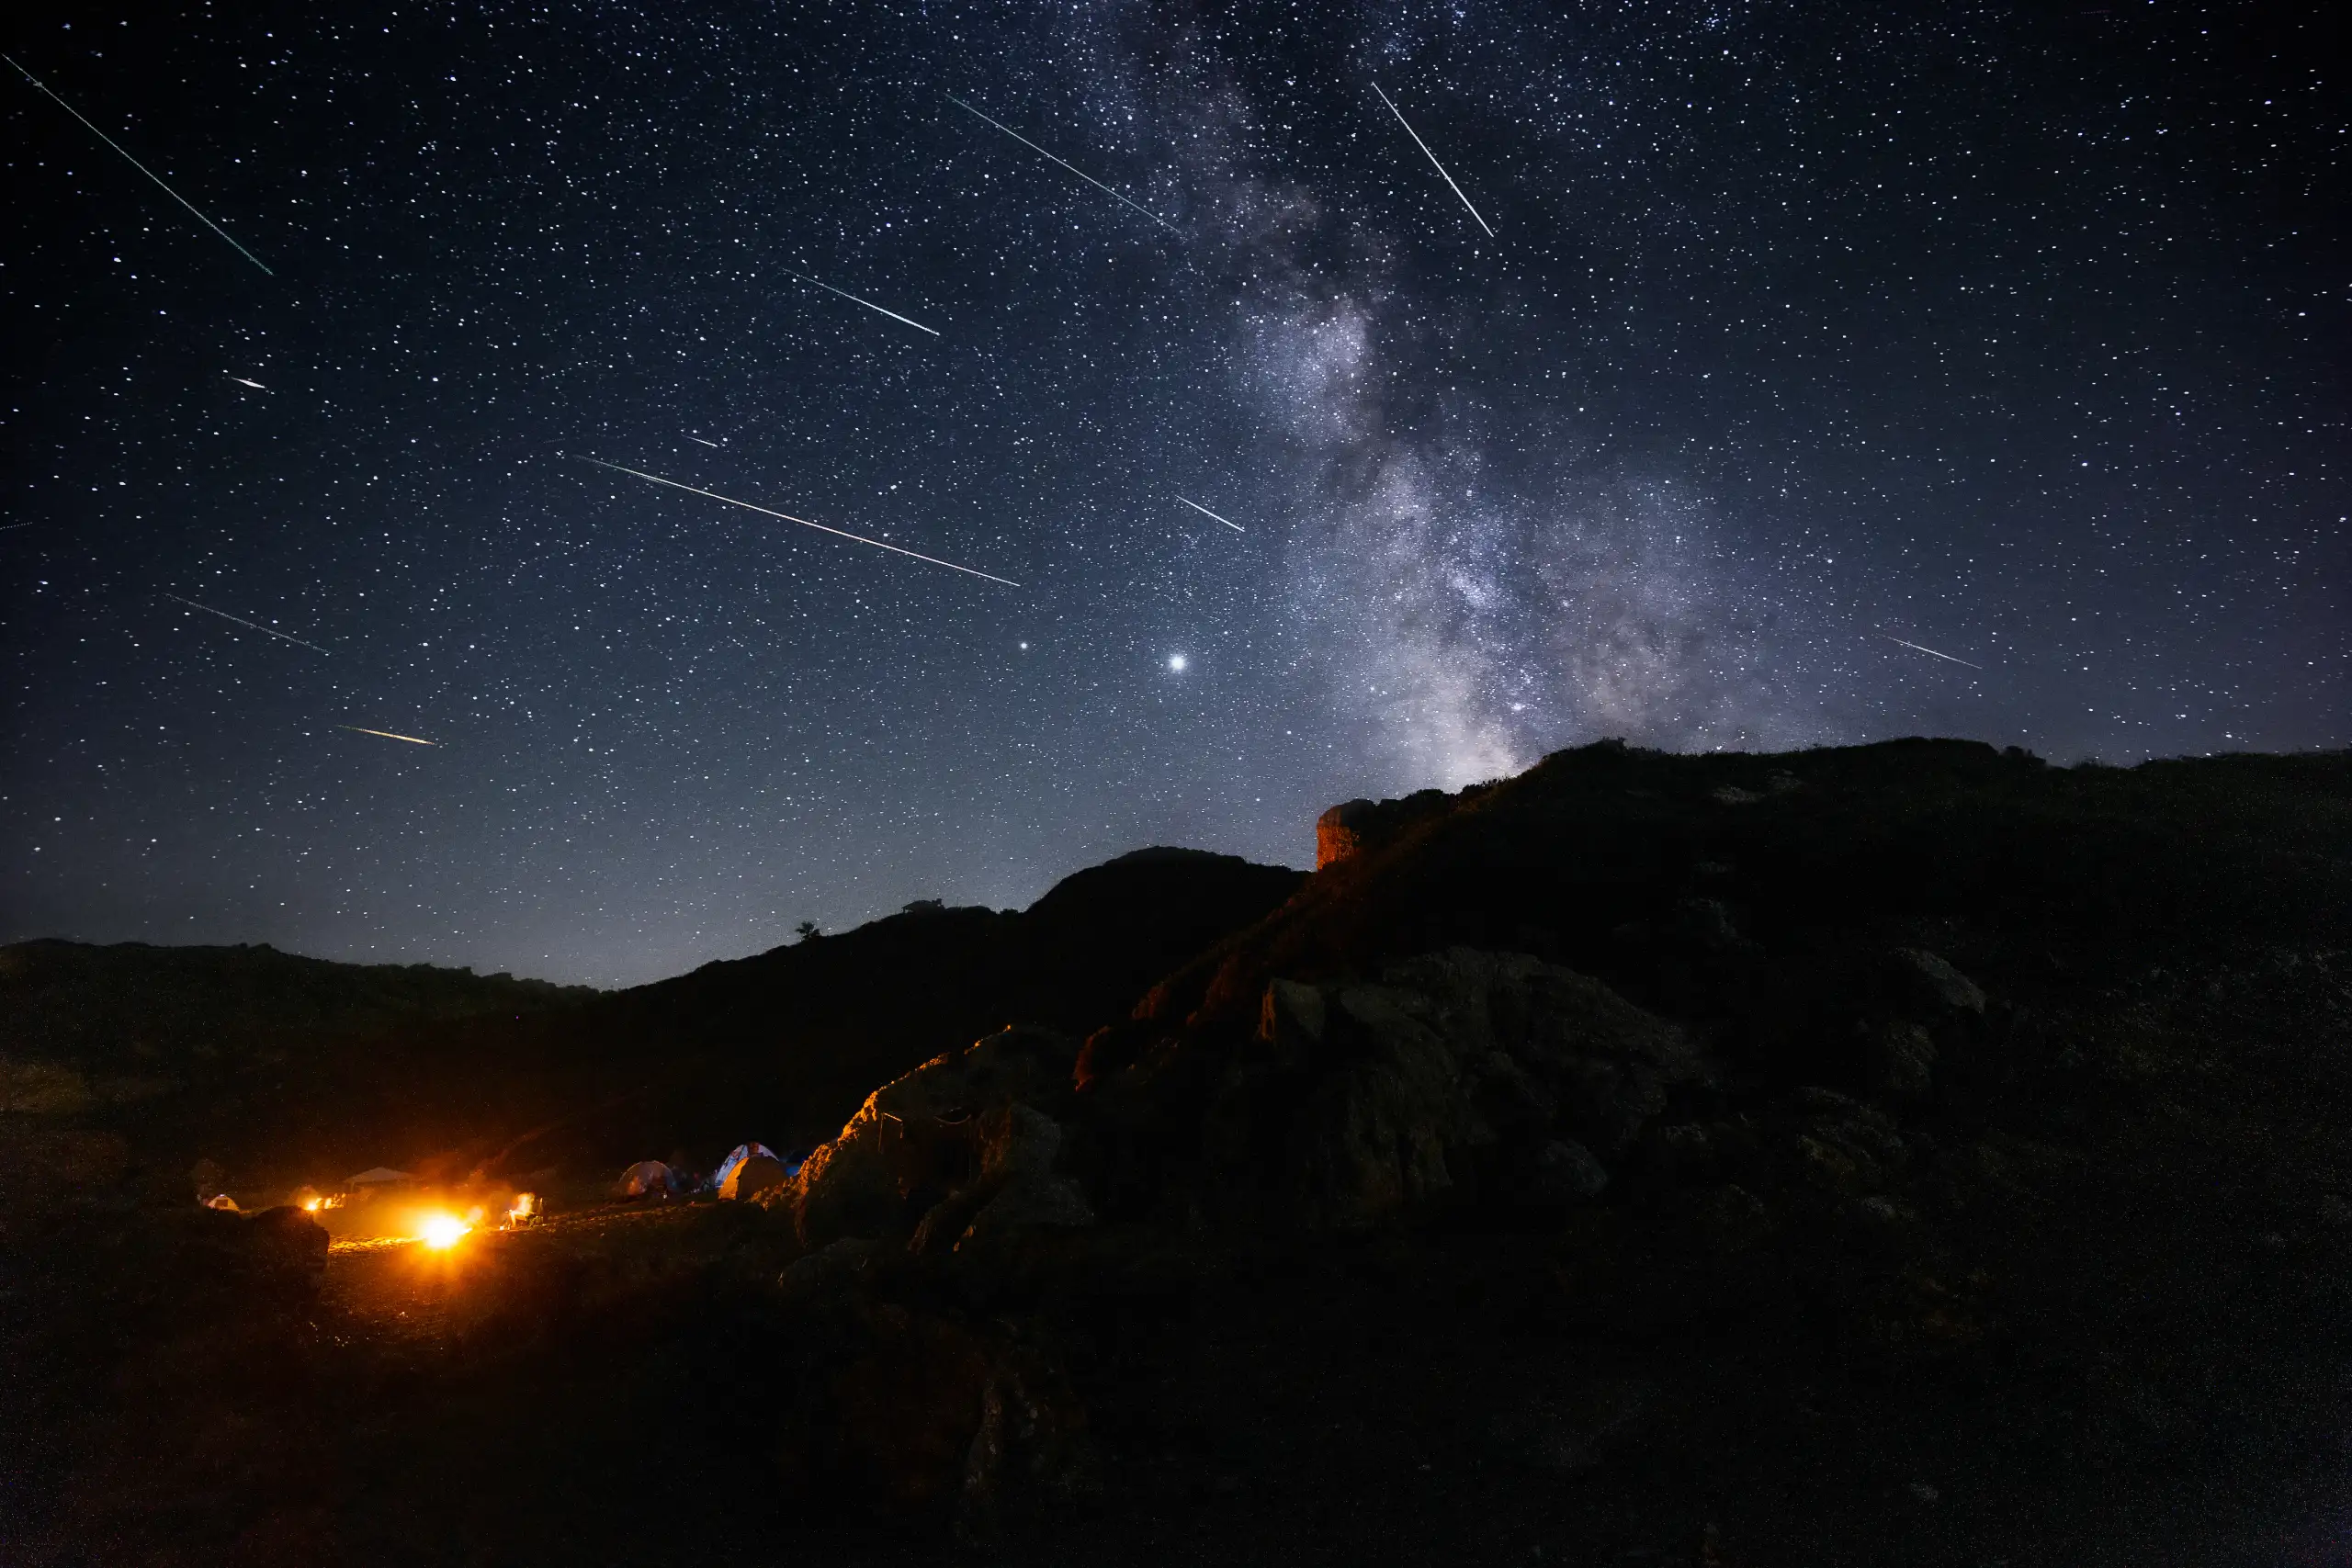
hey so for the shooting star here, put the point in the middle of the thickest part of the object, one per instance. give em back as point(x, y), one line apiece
point(1207, 513)
point(12, 527)
point(387, 735)
point(788, 517)
point(264, 631)
point(257, 386)
point(143, 168)
point(712, 445)
point(1932, 652)
point(1432, 158)
point(867, 303)
point(1073, 168)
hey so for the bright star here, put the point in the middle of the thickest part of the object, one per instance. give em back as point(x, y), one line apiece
point(1176, 662)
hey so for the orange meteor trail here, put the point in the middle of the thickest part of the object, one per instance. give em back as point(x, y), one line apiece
point(388, 734)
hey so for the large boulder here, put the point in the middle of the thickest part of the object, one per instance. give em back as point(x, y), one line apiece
point(1462, 1075)
point(975, 1119)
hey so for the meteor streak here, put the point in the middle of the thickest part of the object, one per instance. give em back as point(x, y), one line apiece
point(387, 735)
point(1932, 652)
point(12, 527)
point(712, 445)
point(143, 168)
point(867, 303)
point(252, 626)
point(1432, 158)
point(257, 386)
point(788, 517)
point(1207, 513)
point(1073, 168)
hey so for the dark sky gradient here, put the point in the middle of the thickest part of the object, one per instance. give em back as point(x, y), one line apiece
point(2017, 333)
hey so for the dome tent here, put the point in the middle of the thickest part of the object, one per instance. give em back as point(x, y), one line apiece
point(649, 1177)
point(728, 1181)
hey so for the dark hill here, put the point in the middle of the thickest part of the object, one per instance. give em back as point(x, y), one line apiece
point(1588, 856)
point(289, 1069)
point(132, 1021)
point(784, 1045)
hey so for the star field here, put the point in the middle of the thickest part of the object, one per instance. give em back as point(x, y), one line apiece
point(1804, 333)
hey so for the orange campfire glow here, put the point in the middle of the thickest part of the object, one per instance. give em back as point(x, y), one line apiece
point(526, 1205)
point(442, 1230)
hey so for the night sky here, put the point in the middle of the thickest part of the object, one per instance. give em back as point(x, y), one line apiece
point(2018, 334)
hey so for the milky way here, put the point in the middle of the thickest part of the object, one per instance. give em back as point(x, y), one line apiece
point(1804, 340)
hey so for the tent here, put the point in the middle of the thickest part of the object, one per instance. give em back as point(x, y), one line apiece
point(369, 1185)
point(737, 1156)
point(756, 1174)
point(648, 1177)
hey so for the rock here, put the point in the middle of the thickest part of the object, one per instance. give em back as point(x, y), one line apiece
point(1354, 826)
point(926, 1416)
point(1035, 1202)
point(1338, 832)
point(920, 1136)
point(1565, 1172)
point(1933, 986)
point(1462, 1073)
point(1846, 1145)
point(831, 1268)
point(1901, 1061)
point(1570, 1436)
point(1017, 1140)
point(1292, 1020)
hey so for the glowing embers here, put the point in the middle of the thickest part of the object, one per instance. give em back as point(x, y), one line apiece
point(523, 1210)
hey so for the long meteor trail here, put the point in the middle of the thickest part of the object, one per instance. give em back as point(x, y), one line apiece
point(1930, 651)
point(387, 735)
point(1432, 158)
point(867, 303)
point(1066, 164)
point(250, 626)
point(143, 168)
point(788, 517)
point(1207, 513)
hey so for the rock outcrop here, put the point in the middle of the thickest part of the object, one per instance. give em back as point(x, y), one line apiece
point(1462, 1075)
point(966, 1145)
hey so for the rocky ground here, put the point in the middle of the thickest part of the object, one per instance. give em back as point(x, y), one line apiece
point(1907, 1155)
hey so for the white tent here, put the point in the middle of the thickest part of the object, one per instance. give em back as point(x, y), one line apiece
point(756, 1174)
point(646, 1175)
point(736, 1157)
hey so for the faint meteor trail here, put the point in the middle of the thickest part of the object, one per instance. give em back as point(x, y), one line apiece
point(1073, 168)
point(1432, 158)
point(387, 735)
point(1932, 652)
point(12, 527)
point(867, 303)
point(788, 517)
point(257, 386)
point(1207, 513)
point(250, 625)
point(143, 168)
point(712, 445)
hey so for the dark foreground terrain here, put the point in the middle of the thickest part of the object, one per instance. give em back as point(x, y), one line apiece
point(1908, 1154)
